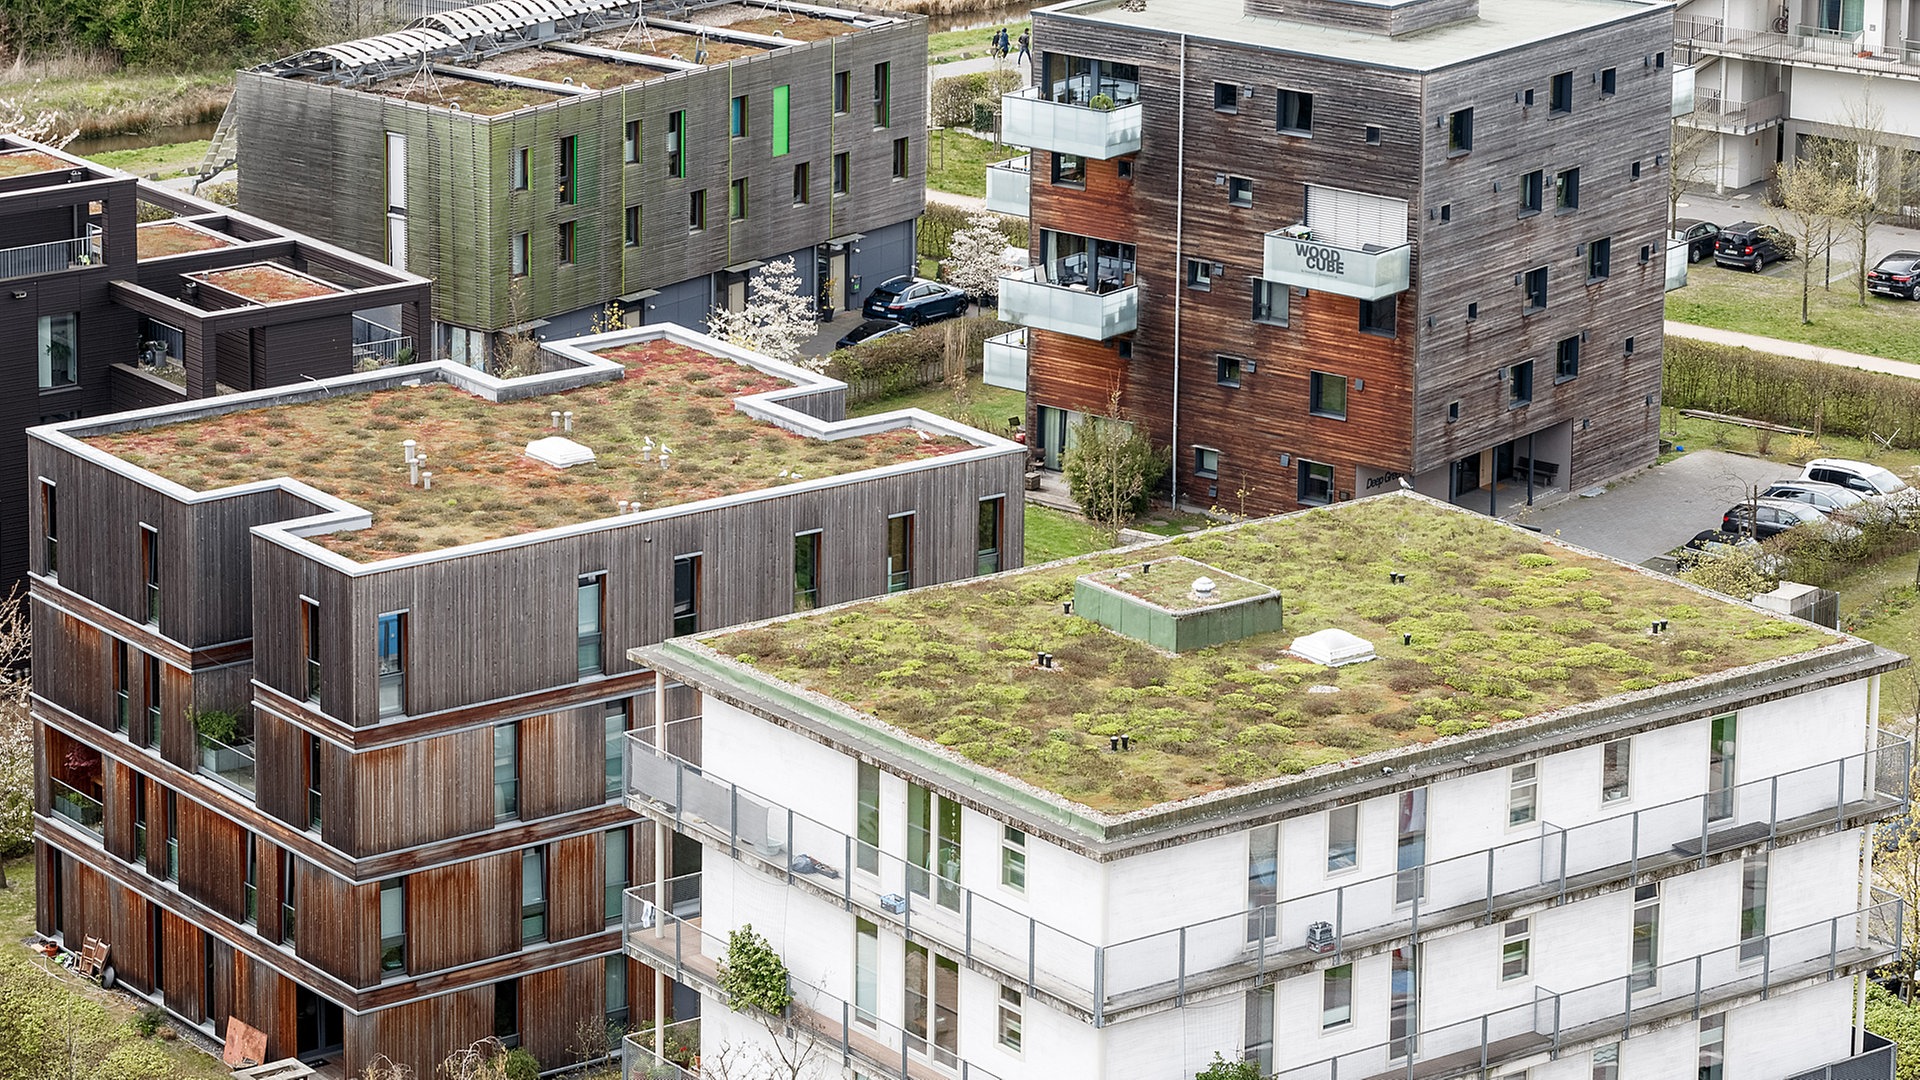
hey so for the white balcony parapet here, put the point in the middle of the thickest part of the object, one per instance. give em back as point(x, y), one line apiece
point(1683, 80)
point(1027, 118)
point(1676, 264)
point(1008, 186)
point(1372, 272)
point(1095, 314)
point(1004, 360)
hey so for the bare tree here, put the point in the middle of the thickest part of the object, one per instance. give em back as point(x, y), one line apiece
point(1869, 160)
point(1688, 164)
point(1812, 200)
point(16, 730)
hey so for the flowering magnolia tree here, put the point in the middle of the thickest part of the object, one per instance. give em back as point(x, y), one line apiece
point(16, 732)
point(777, 319)
point(973, 258)
point(40, 127)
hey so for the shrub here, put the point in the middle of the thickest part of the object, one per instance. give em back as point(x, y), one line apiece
point(752, 975)
point(217, 724)
point(900, 362)
point(147, 1021)
point(520, 1065)
point(954, 97)
point(1113, 470)
point(1797, 393)
point(940, 221)
point(1222, 1069)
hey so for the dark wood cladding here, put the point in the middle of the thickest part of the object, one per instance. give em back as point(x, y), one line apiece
point(576, 904)
point(566, 998)
point(183, 966)
point(424, 1031)
point(213, 859)
point(420, 792)
point(266, 1000)
point(562, 762)
point(463, 913)
point(1073, 373)
point(338, 925)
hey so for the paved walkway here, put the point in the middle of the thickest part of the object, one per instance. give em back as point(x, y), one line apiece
point(1792, 348)
point(1657, 509)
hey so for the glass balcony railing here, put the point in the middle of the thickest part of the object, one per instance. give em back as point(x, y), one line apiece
point(77, 807)
point(232, 763)
point(1544, 867)
point(1004, 360)
point(1610, 1009)
point(1027, 118)
point(673, 1056)
point(677, 945)
point(1094, 311)
point(1369, 272)
point(1008, 186)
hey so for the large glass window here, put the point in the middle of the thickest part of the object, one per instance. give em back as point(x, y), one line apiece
point(533, 895)
point(806, 570)
point(1294, 112)
point(251, 889)
point(933, 1000)
point(615, 726)
point(59, 350)
point(933, 846)
point(1713, 1045)
point(1343, 838)
point(1100, 265)
point(899, 553)
point(590, 605)
point(1259, 1048)
point(618, 1010)
point(1327, 394)
point(122, 689)
point(393, 925)
point(686, 594)
point(617, 877)
point(506, 771)
point(1403, 1013)
point(152, 680)
point(1077, 80)
point(391, 636)
point(1263, 881)
point(1316, 483)
point(1336, 996)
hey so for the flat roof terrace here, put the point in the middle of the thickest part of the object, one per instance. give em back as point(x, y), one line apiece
point(1492, 625)
point(666, 392)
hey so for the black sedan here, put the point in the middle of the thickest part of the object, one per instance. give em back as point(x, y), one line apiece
point(868, 330)
point(1897, 275)
point(914, 300)
point(1699, 236)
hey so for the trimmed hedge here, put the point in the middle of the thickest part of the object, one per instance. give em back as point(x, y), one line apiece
point(939, 221)
point(955, 96)
point(897, 363)
point(1798, 393)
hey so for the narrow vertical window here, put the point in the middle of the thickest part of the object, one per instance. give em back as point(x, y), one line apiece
point(122, 692)
point(1343, 838)
point(867, 815)
point(1609, 82)
point(842, 174)
point(1336, 996)
point(314, 772)
point(59, 351)
point(802, 184)
point(1599, 259)
point(618, 1010)
point(1536, 282)
point(866, 971)
point(1013, 858)
point(1263, 881)
point(806, 570)
point(987, 543)
point(150, 570)
point(1403, 1011)
point(1605, 1060)
point(393, 925)
point(696, 210)
point(153, 700)
point(676, 143)
point(1616, 759)
point(899, 553)
point(310, 645)
point(782, 120)
point(289, 897)
point(1460, 132)
point(842, 91)
point(173, 836)
point(1566, 359)
point(737, 199)
point(250, 890)
point(533, 895)
point(616, 877)
point(630, 234)
point(506, 1012)
point(139, 818)
point(390, 636)
point(902, 158)
point(506, 771)
point(686, 594)
point(396, 172)
point(1560, 93)
point(517, 254)
point(1713, 1045)
point(1646, 937)
point(933, 846)
point(517, 168)
point(1523, 795)
point(50, 526)
point(590, 604)
point(630, 143)
point(1516, 950)
point(882, 95)
point(565, 163)
point(737, 117)
point(614, 724)
point(1753, 907)
point(1720, 770)
point(1411, 846)
point(1011, 1019)
point(1259, 1049)
point(566, 236)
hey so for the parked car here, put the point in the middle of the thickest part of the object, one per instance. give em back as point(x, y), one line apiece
point(1896, 275)
point(1763, 518)
point(1864, 477)
point(914, 300)
point(1751, 246)
point(1699, 236)
point(868, 330)
point(1824, 497)
point(1711, 544)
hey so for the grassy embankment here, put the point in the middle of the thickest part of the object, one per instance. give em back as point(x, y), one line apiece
point(1770, 306)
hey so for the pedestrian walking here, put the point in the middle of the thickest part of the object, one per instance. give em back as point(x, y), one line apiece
point(1000, 40)
point(1025, 41)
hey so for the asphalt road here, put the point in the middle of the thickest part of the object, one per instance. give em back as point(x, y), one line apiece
point(1657, 509)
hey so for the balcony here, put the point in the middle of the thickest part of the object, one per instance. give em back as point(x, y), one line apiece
point(1004, 360)
point(676, 945)
point(75, 806)
point(1366, 272)
point(33, 260)
point(1611, 1009)
point(1714, 113)
point(1095, 311)
point(1873, 1062)
point(1008, 185)
point(1027, 118)
point(1801, 45)
point(675, 1056)
point(230, 763)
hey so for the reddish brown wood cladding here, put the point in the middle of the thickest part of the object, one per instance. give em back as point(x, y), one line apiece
point(130, 949)
point(179, 742)
point(465, 912)
point(1072, 373)
point(267, 856)
point(338, 925)
point(279, 751)
point(422, 791)
point(420, 1034)
point(554, 1004)
point(88, 903)
point(265, 1000)
point(576, 901)
point(562, 762)
point(119, 807)
point(183, 966)
point(73, 665)
point(213, 859)
point(1103, 209)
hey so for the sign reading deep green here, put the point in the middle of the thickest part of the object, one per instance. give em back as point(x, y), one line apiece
point(780, 96)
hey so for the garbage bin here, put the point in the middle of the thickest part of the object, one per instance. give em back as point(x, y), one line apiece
point(982, 116)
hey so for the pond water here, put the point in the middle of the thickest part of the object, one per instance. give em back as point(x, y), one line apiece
point(161, 136)
point(989, 18)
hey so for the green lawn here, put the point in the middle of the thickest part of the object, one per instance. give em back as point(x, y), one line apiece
point(971, 44)
point(1055, 534)
point(157, 162)
point(1770, 306)
point(1754, 442)
point(957, 162)
point(985, 407)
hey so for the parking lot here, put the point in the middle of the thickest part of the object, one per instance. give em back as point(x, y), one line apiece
point(1657, 509)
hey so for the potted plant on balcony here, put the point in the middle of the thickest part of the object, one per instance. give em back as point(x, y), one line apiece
point(220, 738)
point(1102, 102)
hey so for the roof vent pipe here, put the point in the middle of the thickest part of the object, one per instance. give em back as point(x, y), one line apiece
point(554, 416)
point(408, 447)
point(567, 420)
point(426, 480)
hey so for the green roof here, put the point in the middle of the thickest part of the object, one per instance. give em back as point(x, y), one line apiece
point(1493, 624)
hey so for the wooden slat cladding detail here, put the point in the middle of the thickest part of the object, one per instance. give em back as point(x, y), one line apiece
point(1073, 373)
point(562, 762)
point(338, 925)
point(73, 665)
point(179, 741)
point(265, 1000)
point(1104, 207)
point(420, 792)
point(130, 944)
point(118, 806)
point(267, 856)
point(279, 764)
point(183, 966)
point(576, 901)
point(556, 1002)
point(463, 913)
point(213, 859)
point(421, 1034)
point(88, 902)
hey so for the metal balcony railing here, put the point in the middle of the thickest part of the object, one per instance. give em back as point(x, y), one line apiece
point(1873, 1062)
point(1093, 310)
point(676, 945)
point(1029, 118)
point(1735, 117)
point(1612, 1008)
point(231, 763)
point(49, 258)
point(1004, 360)
point(77, 807)
point(1821, 39)
point(1542, 868)
point(1009, 186)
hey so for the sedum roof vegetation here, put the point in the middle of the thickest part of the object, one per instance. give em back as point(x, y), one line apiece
point(23, 162)
point(265, 283)
point(484, 486)
point(161, 238)
point(1504, 626)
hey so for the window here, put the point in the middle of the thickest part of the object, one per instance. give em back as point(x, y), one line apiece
point(1403, 1012)
point(393, 924)
point(1343, 838)
point(390, 643)
point(1069, 170)
point(899, 553)
point(1372, 135)
point(250, 889)
point(1516, 950)
point(1453, 412)
point(1599, 259)
point(50, 526)
point(1123, 168)
point(1566, 190)
point(150, 564)
point(615, 986)
point(288, 897)
point(1659, 59)
point(902, 159)
point(1753, 907)
point(1532, 191)
point(842, 173)
point(1376, 316)
point(565, 159)
point(1336, 996)
point(1606, 1061)
point(867, 819)
point(615, 878)
point(1646, 937)
point(1446, 211)
point(686, 594)
point(1523, 795)
point(1293, 113)
point(1009, 1019)
point(517, 168)
point(590, 609)
point(1226, 97)
point(630, 143)
point(630, 235)
point(1536, 280)
point(677, 143)
point(173, 836)
point(1609, 83)
point(933, 1005)
point(1720, 766)
point(782, 120)
point(1270, 302)
point(1713, 1041)
point(506, 771)
point(139, 818)
point(806, 570)
point(696, 210)
point(866, 971)
point(1560, 95)
point(122, 689)
point(1327, 394)
point(1566, 359)
point(1520, 384)
point(59, 351)
point(933, 846)
point(1263, 882)
point(1410, 855)
point(1626, 347)
point(802, 184)
point(737, 117)
point(1206, 462)
point(1199, 274)
point(310, 644)
point(564, 238)
point(1227, 370)
point(506, 1012)
point(882, 94)
point(1239, 191)
point(1616, 759)
point(987, 536)
point(1634, 171)
point(842, 91)
point(153, 699)
point(737, 199)
point(1260, 1029)
point(614, 725)
point(1316, 483)
point(1473, 312)
point(533, 895)
point(1646, 254)
point(1013, 858)
point(1460, 132)
point(517, 255)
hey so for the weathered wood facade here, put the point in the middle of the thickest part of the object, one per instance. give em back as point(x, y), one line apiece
point(1430, 394)
point(366, 885)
